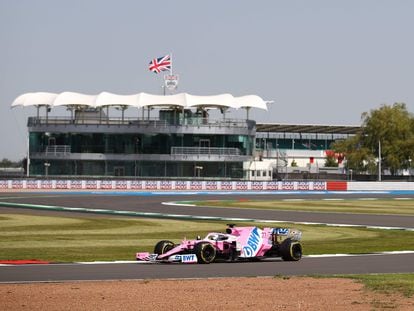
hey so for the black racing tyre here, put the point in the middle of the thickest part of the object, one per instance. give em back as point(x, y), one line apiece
point(205, 252)
point(163, 246)
point(291, 250)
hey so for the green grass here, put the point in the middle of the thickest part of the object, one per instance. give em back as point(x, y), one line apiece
point(87, 238)
point(338, 240)
point(387, 283)
point(381, 206)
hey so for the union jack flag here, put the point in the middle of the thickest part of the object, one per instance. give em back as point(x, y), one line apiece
point(160, 64)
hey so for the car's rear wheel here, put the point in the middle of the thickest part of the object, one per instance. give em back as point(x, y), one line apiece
point(205, 252)
point(163, 246)
point(291, 250)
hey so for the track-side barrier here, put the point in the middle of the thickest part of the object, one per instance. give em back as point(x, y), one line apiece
point(198, 185)
point(160, 185)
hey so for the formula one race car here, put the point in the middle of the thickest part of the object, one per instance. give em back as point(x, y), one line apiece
point(238, 243)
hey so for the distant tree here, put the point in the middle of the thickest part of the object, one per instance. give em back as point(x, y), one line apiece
point(358, 157)
point(390, 126)
point(8, 163)
point(330, 161)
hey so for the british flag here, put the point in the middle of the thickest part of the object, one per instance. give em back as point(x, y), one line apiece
point(160, 64)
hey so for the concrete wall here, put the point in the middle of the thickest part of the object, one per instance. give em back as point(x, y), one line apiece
point(359, 186)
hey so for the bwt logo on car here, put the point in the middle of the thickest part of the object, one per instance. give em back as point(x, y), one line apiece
point(190, 258)
point(253, 243)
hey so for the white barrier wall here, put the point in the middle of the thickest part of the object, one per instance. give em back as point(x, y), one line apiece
point(158, 185)
point(177, 185)
point(380, 186)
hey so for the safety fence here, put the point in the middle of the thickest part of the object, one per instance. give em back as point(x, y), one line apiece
point(186, 185)
point(159, 185)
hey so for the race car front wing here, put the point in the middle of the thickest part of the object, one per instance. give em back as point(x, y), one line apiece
point(185, 258)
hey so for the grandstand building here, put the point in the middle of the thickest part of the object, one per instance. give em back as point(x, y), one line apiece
point(172, 136)
point(292, 148)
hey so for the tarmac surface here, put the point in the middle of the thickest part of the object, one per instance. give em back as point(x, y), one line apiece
point(153, 203)
point(369, 263)
point(399, 263)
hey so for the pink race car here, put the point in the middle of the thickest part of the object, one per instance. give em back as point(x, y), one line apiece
point(238, 243)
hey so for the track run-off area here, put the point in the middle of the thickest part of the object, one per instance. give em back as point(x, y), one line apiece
point(169, 205)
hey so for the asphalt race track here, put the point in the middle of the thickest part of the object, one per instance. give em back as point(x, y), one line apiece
point(152, 203)
point(128, 271)
point(374, 263)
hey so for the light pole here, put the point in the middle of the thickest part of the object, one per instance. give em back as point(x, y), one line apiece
point(379, 160)
point(197, 171)
point(47, 165)
point(277, 160)
point(409, 169)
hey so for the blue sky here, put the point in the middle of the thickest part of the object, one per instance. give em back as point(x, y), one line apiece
point(322, 62)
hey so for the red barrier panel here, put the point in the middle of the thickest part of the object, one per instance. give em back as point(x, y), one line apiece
point(336, 186)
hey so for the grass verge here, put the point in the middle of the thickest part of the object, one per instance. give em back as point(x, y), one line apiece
point(66, 239)
point(377, 206)
point(386, 283)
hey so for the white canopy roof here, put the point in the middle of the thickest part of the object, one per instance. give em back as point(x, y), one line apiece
point(223, 100)
point(149, 100)
point(74, 99)
point(35, 99)
point(252, 101)
point(139, 100)
point(109, 99)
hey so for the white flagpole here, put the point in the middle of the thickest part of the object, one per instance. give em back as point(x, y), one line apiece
point(171, 71)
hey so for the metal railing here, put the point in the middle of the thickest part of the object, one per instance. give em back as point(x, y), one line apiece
point(128, 121)
point(204, 151)
point(57, 149)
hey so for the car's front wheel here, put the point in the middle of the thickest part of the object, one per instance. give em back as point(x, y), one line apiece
point(163, 246)
point(291, 250)
point(205, 252)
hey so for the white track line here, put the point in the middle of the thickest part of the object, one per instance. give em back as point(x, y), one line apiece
point(177, 204)
point(291, 222)
point(148, 262)
point(360, 255)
